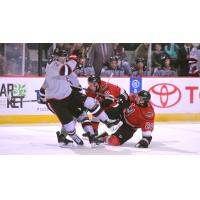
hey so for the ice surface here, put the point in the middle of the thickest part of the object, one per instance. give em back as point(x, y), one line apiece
point(168, 139)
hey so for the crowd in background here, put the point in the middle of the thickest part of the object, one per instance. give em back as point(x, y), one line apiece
point(104, 59)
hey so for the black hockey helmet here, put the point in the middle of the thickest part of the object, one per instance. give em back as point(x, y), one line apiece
point(145, 96)
point(138, 60)
point(94, 79)
point(60, 52)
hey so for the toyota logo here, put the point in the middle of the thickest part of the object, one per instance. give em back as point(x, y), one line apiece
point(165, 95)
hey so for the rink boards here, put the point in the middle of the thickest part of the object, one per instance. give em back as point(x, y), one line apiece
point(174, 99)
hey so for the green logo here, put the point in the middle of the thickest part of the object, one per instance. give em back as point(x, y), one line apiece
point(19, 90)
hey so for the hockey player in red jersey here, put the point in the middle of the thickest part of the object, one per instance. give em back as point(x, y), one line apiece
point(137, 113)
point(106, 93)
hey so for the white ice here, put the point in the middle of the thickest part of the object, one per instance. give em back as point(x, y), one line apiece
point(168, 139)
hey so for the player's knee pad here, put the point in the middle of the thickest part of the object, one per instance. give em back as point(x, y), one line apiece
point(84, 120)
point(93, 106)
point(86, 123)
point(113, 140)
point(70, 128)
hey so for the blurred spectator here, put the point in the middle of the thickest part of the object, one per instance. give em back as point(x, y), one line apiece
point(142, 52)
point(99, 55)
point(14, 55)
point(171, 49)
point(166, 69)
point(156, 56)
point(140, 69)
point(65, 46)
point(125, 65)
point(187, 56)
point(80, 50)
point(123, 61)
point(119, 50)
point(85, 71)
point(113, 68)
point(2, 65)
point(75, 47)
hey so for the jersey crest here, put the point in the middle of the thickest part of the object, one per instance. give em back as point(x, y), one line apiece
point(149, 114)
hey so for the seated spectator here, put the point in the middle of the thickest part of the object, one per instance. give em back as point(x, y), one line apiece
point(125, 65)
point(65, 46)
point(140, 69)
point(171, 49)
point(84, 70)
point(142, 51)
point(123, 61)
point(79, 52)
point(166, 69)
point(113, 67)
point(156, 57)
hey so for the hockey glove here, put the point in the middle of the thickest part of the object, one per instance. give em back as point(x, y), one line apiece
point(121, 99)
point(144, 142)
point(107, 101)
point(42, 99)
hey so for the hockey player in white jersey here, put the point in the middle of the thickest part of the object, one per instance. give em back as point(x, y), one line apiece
point(58, 84)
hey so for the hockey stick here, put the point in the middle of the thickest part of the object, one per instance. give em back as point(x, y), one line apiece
point(27, 101)
point(10, 98)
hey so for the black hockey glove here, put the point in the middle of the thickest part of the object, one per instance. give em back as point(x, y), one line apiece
point(42, 99)
point(107, 101)
point(122, 99)
point(144, 142)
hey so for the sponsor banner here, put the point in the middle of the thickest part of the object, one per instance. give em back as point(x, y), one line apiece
point(135, 85)
point(21, 89)
point(169, 95)
point(174, 95)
